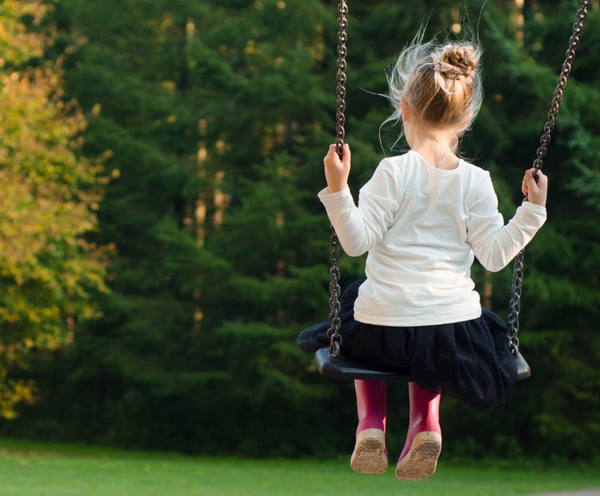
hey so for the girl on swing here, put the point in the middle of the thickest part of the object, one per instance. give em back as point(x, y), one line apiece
point(422, 218)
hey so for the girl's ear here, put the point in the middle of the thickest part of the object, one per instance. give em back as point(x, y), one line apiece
point(405, 109)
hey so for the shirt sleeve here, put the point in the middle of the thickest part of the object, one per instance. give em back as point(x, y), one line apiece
point(493, 243)
point(360, 228)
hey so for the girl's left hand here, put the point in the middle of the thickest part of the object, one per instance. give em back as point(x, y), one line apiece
point(336, 170)
point(536, 191)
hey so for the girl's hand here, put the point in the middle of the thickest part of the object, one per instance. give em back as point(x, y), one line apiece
point(537, 192)
point(336, 170)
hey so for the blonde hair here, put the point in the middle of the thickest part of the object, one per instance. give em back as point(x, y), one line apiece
point(441, 83)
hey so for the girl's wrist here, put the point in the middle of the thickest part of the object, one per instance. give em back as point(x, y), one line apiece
point(538, 201)
point(336, 188)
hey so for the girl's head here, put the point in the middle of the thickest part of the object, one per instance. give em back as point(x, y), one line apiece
point(440, 86)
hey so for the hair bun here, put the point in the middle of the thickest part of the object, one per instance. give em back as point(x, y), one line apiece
point(463, 57)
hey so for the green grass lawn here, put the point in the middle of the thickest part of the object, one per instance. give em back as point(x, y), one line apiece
point(28, 469)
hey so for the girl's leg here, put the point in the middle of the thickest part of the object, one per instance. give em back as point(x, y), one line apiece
point(424, 438)
point(370, 455)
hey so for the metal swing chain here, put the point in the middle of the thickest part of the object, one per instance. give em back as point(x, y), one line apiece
point(515, 296)
point(334, 286)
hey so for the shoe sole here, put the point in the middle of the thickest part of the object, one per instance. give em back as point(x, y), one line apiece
point(421, 460)
point(369, 455)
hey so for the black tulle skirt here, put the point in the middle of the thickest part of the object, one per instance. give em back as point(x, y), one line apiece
point(468, 360)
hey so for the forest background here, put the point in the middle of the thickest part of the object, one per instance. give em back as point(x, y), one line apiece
point(161, 243)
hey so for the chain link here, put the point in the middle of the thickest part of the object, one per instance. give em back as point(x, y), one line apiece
point(340, 132)
point(515, 304)
point(538, 163)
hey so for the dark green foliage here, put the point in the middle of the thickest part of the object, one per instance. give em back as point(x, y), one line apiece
point(216, 116)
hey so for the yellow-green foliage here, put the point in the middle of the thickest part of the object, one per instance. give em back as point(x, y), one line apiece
point(47, 197)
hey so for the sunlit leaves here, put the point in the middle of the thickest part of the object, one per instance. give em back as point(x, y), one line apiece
point(48, 192)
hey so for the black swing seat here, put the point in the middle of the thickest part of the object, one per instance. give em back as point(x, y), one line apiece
point(346, 368)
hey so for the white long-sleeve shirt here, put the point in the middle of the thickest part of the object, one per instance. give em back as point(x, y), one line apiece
point(422, 227)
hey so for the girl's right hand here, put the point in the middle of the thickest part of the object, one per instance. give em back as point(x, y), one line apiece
point(536, 191)
point(336, 170)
